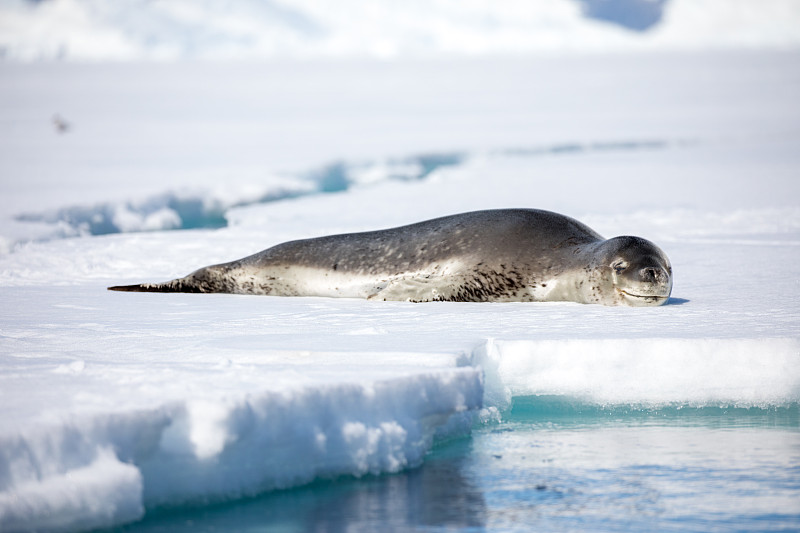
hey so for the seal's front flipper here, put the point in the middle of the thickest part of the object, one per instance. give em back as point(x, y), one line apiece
point(424, 289)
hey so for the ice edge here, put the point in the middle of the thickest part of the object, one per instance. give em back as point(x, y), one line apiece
point(107, 469)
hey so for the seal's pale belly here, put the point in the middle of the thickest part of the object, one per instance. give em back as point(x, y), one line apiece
point(453, 281)
point(440, 282)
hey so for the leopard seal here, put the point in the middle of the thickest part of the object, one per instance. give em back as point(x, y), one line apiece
point(503, 255)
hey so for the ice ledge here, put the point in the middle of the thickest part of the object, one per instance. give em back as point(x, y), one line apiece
point(105, 470)
point(647, 372)
point(90, 469)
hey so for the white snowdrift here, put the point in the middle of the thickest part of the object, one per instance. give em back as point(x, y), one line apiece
point(81, 471)
point(647, 373)
point(102, 493)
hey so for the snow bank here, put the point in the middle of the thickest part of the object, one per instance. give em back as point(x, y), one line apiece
point(104, 493)
point(283, 440)
point(77, 468)
point(646, 373)
point(88, 471)
point(130, 30)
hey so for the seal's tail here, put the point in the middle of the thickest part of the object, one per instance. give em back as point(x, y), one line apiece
point(143, 287)
point(176, 285)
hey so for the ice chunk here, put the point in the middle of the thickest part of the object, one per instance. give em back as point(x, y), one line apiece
point(104, 468)
point(103, 493)
point(653, 372)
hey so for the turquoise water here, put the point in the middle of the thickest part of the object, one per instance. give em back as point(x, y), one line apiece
point(553, 465)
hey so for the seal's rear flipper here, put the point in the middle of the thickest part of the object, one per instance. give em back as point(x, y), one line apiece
point(170, 286)
point(128, 288)
point(144, 287)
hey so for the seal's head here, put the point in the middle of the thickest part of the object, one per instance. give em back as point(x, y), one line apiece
point(638, 271)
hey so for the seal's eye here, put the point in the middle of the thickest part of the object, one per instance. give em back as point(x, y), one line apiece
point(619, 266)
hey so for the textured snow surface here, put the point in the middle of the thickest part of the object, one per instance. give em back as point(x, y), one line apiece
point(116, 403)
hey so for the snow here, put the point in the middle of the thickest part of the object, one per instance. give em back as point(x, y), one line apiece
point(119, 403)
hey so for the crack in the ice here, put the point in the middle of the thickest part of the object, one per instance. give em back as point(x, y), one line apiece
point(184, 210)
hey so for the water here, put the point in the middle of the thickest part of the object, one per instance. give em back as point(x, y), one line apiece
point(556, 466)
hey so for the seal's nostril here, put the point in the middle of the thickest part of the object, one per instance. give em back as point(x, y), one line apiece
point(649, 274)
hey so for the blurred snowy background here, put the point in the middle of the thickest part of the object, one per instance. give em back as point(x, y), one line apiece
point(94, 30)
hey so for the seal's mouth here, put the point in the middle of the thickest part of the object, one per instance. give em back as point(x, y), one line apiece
point(646, 297)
